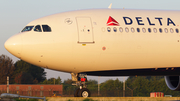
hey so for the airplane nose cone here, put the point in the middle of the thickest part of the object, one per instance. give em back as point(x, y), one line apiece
point(14, 45)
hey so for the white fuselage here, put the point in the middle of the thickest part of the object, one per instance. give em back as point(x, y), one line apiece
point(80, 41)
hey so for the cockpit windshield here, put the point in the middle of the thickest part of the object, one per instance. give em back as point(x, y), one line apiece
point(27, 28)
point(37, 28)
point(46, 28)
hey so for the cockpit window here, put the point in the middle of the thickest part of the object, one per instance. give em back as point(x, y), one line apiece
point(37, 28)
point(46, 28)
point(27, 28)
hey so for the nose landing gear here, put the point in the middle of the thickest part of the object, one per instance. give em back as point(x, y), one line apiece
point(80, 80)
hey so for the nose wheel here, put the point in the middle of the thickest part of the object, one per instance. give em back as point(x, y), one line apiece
point(84, 93)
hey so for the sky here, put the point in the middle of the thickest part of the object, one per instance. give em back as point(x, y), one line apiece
point(16, 14)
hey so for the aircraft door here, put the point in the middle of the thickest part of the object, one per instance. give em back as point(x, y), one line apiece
point(85, 31)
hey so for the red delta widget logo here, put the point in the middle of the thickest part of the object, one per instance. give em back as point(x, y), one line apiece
point(141, 21)
point(112, 22)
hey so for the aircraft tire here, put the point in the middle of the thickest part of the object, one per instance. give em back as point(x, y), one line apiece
point(84, 93)
point(76, 92)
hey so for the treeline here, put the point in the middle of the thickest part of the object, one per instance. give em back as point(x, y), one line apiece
point(22, 72)
point(140, 86)
point(144, 85)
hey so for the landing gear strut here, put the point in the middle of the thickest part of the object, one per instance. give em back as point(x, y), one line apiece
point(80, 80)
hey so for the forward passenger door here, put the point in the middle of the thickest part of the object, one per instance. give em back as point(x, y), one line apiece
point(85, 31)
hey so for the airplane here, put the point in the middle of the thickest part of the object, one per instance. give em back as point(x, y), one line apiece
point(103, 42)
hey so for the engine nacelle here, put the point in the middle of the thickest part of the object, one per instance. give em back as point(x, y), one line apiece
point(173, 82)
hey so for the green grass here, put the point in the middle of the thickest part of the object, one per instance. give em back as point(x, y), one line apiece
point(26, 99)
point(87, 99)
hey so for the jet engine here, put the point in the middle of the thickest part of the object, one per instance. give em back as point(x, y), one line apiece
point(173, 82)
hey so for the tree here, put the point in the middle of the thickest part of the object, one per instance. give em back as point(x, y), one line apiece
point(68, 81)
point(38, 74)
point(68, 88)
point(146, 85)
point(118, 86)
point(21, 78)
point(6, 69)
point(58, 80)
point(48, 81)
point(111, 88)
point(52, 81)
point(92, 85)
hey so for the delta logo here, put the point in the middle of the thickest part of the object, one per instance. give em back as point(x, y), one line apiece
point(112, 22)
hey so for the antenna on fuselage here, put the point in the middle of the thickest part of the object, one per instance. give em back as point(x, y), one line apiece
point(110, 6)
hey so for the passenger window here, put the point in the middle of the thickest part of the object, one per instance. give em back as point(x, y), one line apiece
point(166, 30)
point(38, 28)
point(115, 29)
point(46, 28)
point(27, 28)
point(177, 30)
point(171, 30)
point(155, 30)
point(144, 30)
point(160, 30)
point(138, 30)
point(127, 30)
point(132, 30)
point(121, 29)
point(149, 30)
point(109, 29)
